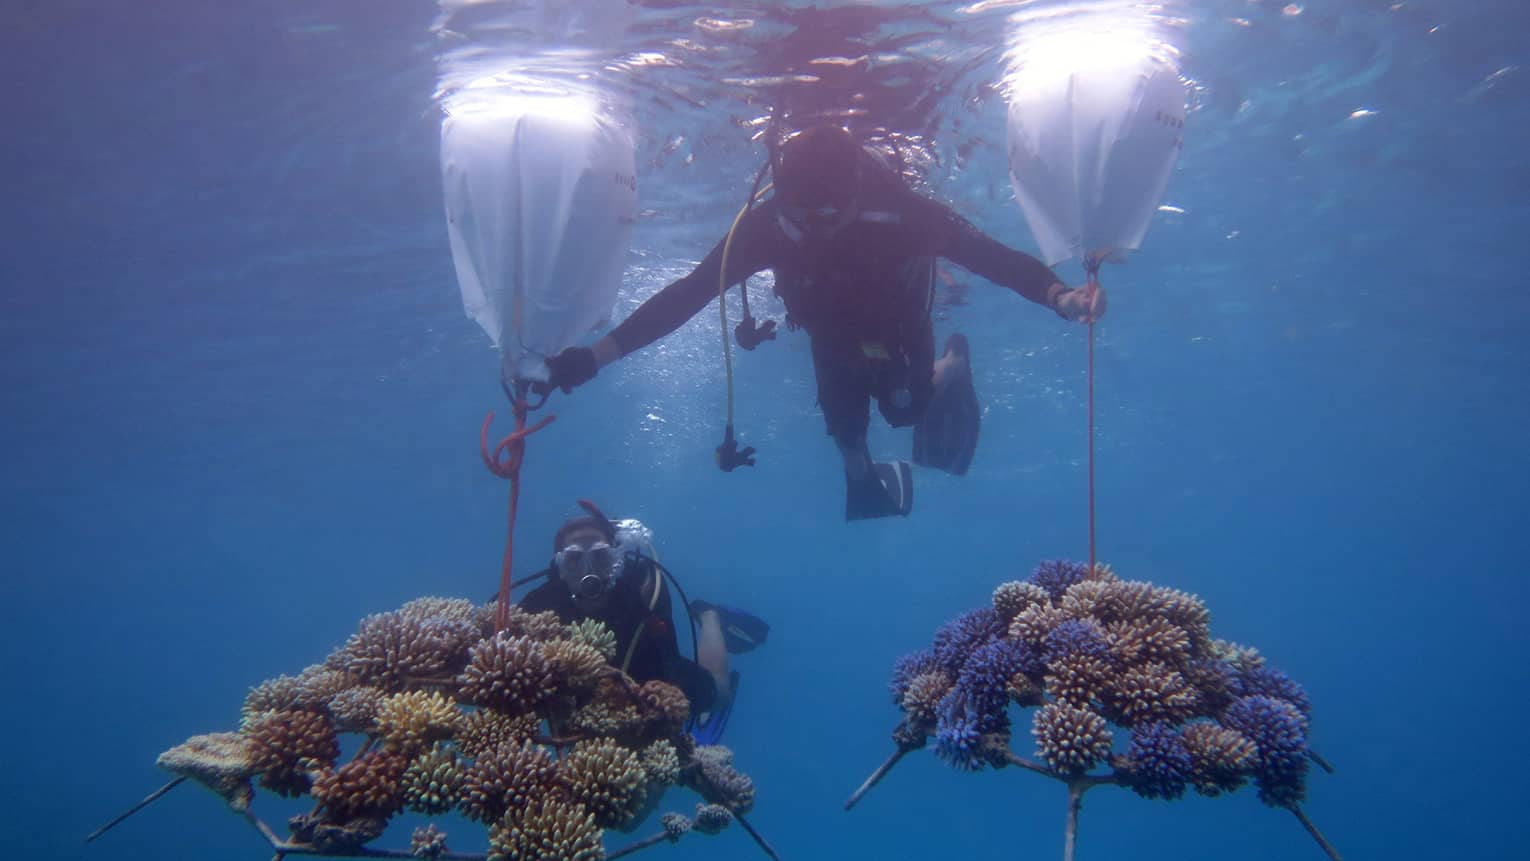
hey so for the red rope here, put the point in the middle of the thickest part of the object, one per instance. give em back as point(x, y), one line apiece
point(1094, 284)
point(505, 462)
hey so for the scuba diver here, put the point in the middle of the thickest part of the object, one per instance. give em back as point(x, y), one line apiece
point(853, 250)
point(599, 574)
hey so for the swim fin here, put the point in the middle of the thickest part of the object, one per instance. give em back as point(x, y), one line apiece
point(742, 631)
point(947, 437)
point(886, 489)
point(708, 728)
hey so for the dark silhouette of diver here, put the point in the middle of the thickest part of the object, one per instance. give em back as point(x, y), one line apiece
point(853, 249)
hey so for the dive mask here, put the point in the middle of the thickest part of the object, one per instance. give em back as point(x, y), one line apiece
point(588, 572)
point(820, 222)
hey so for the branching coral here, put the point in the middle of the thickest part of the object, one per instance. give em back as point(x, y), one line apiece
point(608, 779)
point(1057, 575)
point(288, 746)
point(433, 782)
point(428, 842)
point(1099, 655)
point(661, 762)
point(1012, 598)
point(594, 634)
point(977, 705)
point(922, 696)
point(606, 718)
point(909, 667)
point(712, 775)
point(511, 775)
point(485, 729)
point(509, 674)
point(664, 706)
point(1221, 759)
point(412, 721)
point(367, 786)
point(395, 651)
point(957, 639)
point(1072, 740)
point(355, 709)
point(542, 627)
point(1278, 731)
point(446, 609)
point(577, 664)
point(1270, 682)
point(1158, 765)
point(546, 827)
point(279, 694)
point(1149, 692)
point(712, 818)
point(528, 731)
point(1151, 638)
point(1035, 622)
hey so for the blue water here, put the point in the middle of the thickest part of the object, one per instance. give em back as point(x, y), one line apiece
point(241, 401)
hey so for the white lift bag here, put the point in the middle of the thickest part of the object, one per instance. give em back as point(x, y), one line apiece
point(541, 196)
point(1093, 137)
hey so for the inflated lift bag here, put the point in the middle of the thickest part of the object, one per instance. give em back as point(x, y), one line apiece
point(541, 195)
point(1091, 145)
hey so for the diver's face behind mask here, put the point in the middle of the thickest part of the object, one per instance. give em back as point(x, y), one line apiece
point(817, 177)
point(587, 570)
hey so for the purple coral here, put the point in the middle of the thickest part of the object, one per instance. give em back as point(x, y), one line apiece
point(1075, 637)
point(1270, 682)
point(1278, 732)
point(907, 667)
point(1057, 575)
point(959, 638)
point(978, 703)
point(1157, 765)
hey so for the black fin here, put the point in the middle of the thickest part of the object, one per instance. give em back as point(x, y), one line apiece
point(742, 631)
point(946, 437)
point(886, 489)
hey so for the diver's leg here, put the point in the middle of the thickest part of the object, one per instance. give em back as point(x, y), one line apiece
point(871, 489)
point(946, 437)
point(846, 406)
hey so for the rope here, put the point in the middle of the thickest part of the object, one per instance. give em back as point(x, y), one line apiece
point(722, 305)
point(1092, 266)
point(722, 281)
point(505, 462)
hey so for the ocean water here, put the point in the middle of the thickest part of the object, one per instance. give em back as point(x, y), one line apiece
point(241, 402)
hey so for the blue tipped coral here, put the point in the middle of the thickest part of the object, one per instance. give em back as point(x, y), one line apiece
point(1158, 764)
point(1077, 637)
point(1057, 575)
point(1096, 659)
point(977, 704)
point(1278, 731)
point(1268, 682)
point(909, 667)
point(959, 638)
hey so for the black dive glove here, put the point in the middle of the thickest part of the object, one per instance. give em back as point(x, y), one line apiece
point(751, 334)
point(573, 367)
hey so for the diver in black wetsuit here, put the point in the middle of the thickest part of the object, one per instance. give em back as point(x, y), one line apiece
point(853, 249)
point(590, 579)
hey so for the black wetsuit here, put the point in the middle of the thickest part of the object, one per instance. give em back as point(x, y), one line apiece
point(863, 295)
point(657, 655)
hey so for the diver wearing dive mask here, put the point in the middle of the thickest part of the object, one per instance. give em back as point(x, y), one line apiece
point(588, 570)
point(599, 575)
